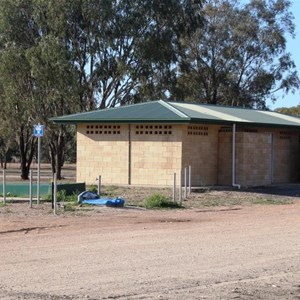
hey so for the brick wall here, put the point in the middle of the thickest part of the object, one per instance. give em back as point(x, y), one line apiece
point(286, 156)
point(102, 150)
point(225, 157)
point(262, 157)
point(160, 150)
point(200, 150)
point(254, 158)
point(156, 153)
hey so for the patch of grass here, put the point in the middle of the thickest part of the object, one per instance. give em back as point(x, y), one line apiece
point(70, 206)
point(9, 194)
point(72, 198)
point(159, 201)
point(47, 198)
point(273, 201)
point(61, 196)
point(93, 188)
point(110, 191)
point(215, 202)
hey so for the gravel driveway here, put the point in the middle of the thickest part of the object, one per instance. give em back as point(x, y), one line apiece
point(248, 252)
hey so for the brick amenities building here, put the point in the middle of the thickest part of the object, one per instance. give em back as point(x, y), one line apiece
point(145, 144)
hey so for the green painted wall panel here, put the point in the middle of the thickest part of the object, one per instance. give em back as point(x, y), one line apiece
point(22, 189)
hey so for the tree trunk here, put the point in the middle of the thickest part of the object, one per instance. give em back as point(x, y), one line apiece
point(52, 155)
point(27, 145)
point(57, 153)
point(5, 161)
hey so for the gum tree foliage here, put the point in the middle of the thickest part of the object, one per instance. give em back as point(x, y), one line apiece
point(56, 94)
point(59, 57)
point(17, 86)
point(35, 78)
point(7, 137)
point(119, 47)
point(292, 111)
point(239, 58)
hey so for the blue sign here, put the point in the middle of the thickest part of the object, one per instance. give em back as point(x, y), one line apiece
point(38, 130)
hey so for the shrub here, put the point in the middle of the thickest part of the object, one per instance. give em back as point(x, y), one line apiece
point(70, 206)
point(93, 188)
point(159, 201)
point(61, 196)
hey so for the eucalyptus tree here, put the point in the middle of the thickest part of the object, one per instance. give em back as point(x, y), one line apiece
point(60, 57)
point(293, 111)
point(56, 93)
point(36, 77)
point(120, 47)
point(17, 35)
point(7, 136)
point(239, 57)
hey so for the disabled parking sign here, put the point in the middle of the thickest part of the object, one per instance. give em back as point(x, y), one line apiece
point(38, 130)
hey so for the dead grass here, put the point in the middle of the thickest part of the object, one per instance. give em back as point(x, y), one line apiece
point(201, 198)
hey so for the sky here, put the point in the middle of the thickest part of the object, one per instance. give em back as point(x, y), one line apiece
point(293, 46)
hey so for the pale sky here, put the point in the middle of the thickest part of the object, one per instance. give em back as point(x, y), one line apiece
point(293, 46)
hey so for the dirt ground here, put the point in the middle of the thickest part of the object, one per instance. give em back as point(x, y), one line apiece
point(237, 251)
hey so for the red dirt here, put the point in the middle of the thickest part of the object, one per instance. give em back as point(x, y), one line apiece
point(221, 253)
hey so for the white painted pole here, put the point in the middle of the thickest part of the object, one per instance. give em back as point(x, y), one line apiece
point(99, 186)
point(174, 188)
point(39, 170)
point(185, 183)
point(30, 188)
point(180, 188)
point(190, 179)
point(4, 186)
point(55, 194)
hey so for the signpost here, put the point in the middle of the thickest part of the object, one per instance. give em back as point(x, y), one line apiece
point(38, 132)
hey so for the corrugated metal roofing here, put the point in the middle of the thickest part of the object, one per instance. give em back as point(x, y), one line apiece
point(236, 114)
point(156, 111)
point(176, 112)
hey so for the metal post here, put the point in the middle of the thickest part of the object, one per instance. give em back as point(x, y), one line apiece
point(190, 179)
point(30, 188)
point(185, 183)
point(99, 186)
point(129, 154)
point(180, 188)
point(174, 188)
point(55, 194)
point(4, 186)
point(39, 171)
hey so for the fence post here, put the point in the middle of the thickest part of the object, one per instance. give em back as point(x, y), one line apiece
point(38, 172)
point(190, 179)
point(55, 194)
point(174, 188)
point(99, 186)
point(180, 188)
point(4, 186)
point(30, 188)
point(185, 183)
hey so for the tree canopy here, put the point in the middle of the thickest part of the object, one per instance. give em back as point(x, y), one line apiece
point(239, 57)
point(293, 111)
point(61, 57)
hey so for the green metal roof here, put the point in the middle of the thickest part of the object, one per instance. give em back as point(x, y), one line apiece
point(176, 112)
